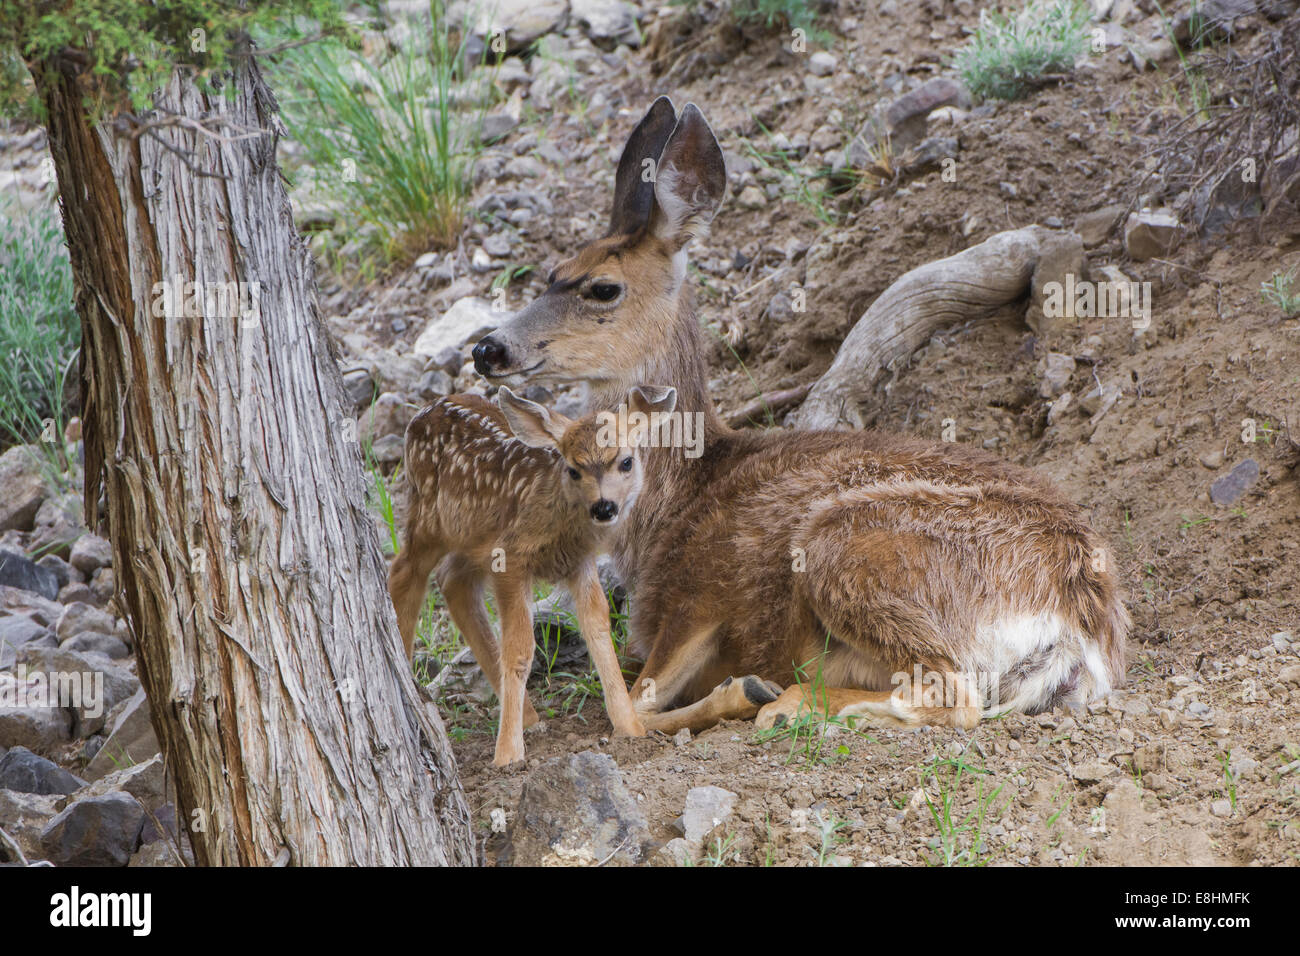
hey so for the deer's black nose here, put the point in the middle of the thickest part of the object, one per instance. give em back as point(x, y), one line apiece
point(604, 509)
point(489, 354)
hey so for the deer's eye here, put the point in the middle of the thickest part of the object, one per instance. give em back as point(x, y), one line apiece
point(604, 291)
point(575, 474)
point(625, 464)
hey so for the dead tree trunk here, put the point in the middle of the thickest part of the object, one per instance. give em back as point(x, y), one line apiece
point(972, 282)
point(246, 563)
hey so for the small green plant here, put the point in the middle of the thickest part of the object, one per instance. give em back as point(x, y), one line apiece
point(1011, 54)
point(829, 827)
point(1229, 779)
point(39, 329)
point(1279, 291)
point(392, 141)
point(960, 839)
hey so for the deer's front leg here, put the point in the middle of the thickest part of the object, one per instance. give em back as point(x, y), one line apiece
point(512, 595)
point(593, 620)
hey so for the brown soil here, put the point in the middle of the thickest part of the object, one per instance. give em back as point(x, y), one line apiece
point(1207, 586)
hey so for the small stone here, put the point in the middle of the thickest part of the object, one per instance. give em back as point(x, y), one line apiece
point(676, 852)
point(497, 245)
point(1055, 372)
point(19, 571)
point(1229, 489)
point(1095, 227)
point(359, 385)
point(98, 831)
point(22, 476)
point(1221, 808)
point(1059, 407)
point(1212, 460)
point(24, 771)
point(90, 553)
point(434, 384)
point(706, 809)
point(131, 739)
point(78, 618)
point(1282, 640)
point(682, 737)
point(1148, 234)
point(751, 197)
point(98, 643)
point(1290, 674)
point(821, 63)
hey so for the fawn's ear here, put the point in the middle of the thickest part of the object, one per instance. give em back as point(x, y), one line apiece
point(652, 398)
point(634, 184)
point(689, 182)
point(529, 422)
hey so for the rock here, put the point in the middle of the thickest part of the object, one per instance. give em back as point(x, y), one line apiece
point(469, 319)
point(78, 593)
point(19, 629)
point(131, 739)
point(19, 571)
point(25, 815)
point(38, 728)
point(95, 642)
point(495, 126)
point(497, 245)
point(607, 22)
point(905, 118)
point(1212, 459)
point(39, 609)
point(575, 810)
point(1095, 227)
point(23, 478)
point(388, 416)
point(676, 852)
point(26, 772)
point(162, 853)
point(78, 618)
point(146, 781)
point(1060, 265)
point(98, 831)
point(1054, 374)
point(102, 585)
point(360, 385)
point(62, 571)
point(434, 384)
point(387, 449)
point(1229, 489)
point(518, 22)
point(90, 685)
point(1221, 808)
point(1149, 234)
point(1059, 407)
point(1290, 674)
point(751, 197)
point(821, 63)
point(1092, 772)
point(1228, 199)
point(448, 359)
point(57, 525)
point(706, 809)
point(90, 553)
point(1282, 640)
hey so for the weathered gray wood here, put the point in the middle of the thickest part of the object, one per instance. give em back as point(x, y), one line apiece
point(249, 570)
point(904, 316)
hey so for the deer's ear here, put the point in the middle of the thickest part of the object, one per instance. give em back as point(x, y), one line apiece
point(690, 181)
point(634, 187)
point(652, 398)
point(529, 422)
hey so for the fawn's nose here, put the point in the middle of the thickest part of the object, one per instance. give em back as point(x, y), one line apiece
point(489, 354)
point(604, 510)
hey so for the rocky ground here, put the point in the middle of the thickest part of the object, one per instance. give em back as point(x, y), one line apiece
point(1195, 761)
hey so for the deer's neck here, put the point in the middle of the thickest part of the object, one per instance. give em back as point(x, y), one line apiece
point(675, 475)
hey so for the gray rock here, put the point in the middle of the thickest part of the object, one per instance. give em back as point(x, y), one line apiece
point(26, 772)
point(1229, 489)
point(19, 571)
point(37, 727)
point(103, 585)
point(95, 642)
point(90, 553)
point(607, 22)
point(360, 386)
point(1060, 257)
point(495, 126)
point(676, 852)
point(162, 853)
point(131, 739)
point(390, 415)
point(57, 525)
point(1054, 374)
point(821, 63)
point(706, 809)
point(19, 629)
point(98, 831)
point(518, 22)
point(25, 815)
point(448, 359)
point(434, 384)
point(576, 811)
point(22, 476)
point(387, 449)
point(905, 117)
point(78, 593)
point(469, 319)
point(1149, 234)
point(1095, 227)
point(62, 571)
point(44, 612)
point(99, 684)
point(79, 617)
point(146, 781)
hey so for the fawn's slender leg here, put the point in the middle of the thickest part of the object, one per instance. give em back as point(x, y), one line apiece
point(408, 582)
point(461, 584)
point(734, 699)
point(513, 594)
point(593, 619)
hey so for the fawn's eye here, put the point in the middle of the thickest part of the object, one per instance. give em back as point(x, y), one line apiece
point(625, 464)
point(574, 474)
point(604, 291)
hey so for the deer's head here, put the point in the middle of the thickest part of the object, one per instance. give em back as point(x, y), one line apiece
point(608, 312)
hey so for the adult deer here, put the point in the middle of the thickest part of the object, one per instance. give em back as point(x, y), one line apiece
point(858, 556)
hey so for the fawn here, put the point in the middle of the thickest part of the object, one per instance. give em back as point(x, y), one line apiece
point(878, 561)
point(538, 506)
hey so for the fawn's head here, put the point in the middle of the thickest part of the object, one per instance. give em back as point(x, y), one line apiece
point(609, 311)
point(603, 471)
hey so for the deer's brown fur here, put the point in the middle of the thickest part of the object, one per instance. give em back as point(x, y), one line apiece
point(787, 554)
